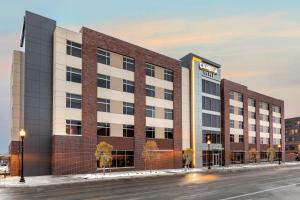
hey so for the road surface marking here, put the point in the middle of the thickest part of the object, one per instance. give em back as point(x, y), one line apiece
point(262, 191)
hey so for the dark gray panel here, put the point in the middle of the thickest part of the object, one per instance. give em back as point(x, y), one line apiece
point(38, 93)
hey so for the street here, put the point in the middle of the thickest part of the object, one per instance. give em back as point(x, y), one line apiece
point(269, 183)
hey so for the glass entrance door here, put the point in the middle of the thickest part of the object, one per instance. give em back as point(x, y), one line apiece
point(216, 159)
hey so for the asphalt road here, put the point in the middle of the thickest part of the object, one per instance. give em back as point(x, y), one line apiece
point(273, 183)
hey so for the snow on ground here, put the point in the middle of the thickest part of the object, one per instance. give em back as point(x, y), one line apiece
point(3, 169)
point(34, 181)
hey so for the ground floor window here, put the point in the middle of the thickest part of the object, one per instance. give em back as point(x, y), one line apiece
point(263, 157)
point(121, 159)
point(237, 157)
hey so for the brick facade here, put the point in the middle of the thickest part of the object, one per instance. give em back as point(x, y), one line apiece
point(14, 161)
point(66, 159)
point(226, 87)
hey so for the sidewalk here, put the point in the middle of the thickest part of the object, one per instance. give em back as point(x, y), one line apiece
point(36, 181)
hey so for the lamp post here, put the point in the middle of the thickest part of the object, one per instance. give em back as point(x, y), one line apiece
point(208, 144)
point(279, 154)
point(22, 134)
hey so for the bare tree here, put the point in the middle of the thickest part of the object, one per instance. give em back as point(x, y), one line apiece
point(252, 153)
point(150, 153)
point(271, 154)
point(104, 154)
point(187, 157)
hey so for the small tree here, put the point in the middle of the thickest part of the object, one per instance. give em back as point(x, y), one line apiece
point(187, 157)
point(104, 154)
point(252, 153)
point(150, 153)
point(271, 154)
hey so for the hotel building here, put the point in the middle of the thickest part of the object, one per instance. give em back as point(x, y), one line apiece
point(71, 90)
point(292, 138)
point(250, 120)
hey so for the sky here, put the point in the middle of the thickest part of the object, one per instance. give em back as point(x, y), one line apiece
point(256, 42)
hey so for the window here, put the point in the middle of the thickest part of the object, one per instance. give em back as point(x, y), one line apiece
point(103, 81)
point(231, 109)
point(103, 129)
point(252, 140)
point(240, 111)
point(276, 120)
point(213, 136)
point(128, 108)
point(73, 75)
point(276, 141)
point(121, 159)
point(237, 157)
point(231, 138)
point(168, 113)
point(150, 132)
point(240, 97)
point(168, 94)
point(231, 123)
point(210, 87)
point(103, 56)
point(73, 101)
point(263, 156)
point(241, 125)
point(168, 133)
point(252, 127)
point(150, 111)
point(210, 104)
point(103, 105)
point(251, 102)
point(276, 109)
point(264, 106)
point(265, 129)
point(128, 64)
point(241, 138)
point(128, 86)
point(277, 130)
point(150, 70)
point(263, 117)
point(264, 140)
point(168, 74)
point(73, 127)
point(73, 49)
point(210, 120)
point(128, 130)
point(252, 115)
point(150, 91)
point(231, 95)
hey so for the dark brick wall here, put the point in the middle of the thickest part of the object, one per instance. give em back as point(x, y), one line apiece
point(226, 87)
point(86, 144)
point(14, 161)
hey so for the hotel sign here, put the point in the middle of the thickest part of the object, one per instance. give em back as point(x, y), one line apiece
point(208, 68)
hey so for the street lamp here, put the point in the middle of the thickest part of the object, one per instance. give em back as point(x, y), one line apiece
point(279, 153)
point(208, 143)
point(22, 134)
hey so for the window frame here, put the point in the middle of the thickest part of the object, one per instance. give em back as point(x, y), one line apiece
point(103, 56)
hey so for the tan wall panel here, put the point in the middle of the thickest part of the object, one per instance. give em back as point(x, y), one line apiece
point(159, 72)
point(116, 60)
point(236, 110)
point(116, 130)
point(159, 92)
point(116, 107)
point(159, 132)
point(116, 83)
point(236, 124)
point(159, 113)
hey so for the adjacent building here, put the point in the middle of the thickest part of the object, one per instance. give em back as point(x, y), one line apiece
point(71, 90)
point(292, 138)
point(250, 120)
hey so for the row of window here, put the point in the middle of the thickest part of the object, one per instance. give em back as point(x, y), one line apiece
point(73, 127)
point(276, 130)
point(121, 159)
point(232, 95)
point(103, 105)
point(240, 124)
point(240, 110)
point(210, 120)
point(213, 136)
point(264, 117)
point(210, 87)
point(252, 140)
point(211, 104)
point(103, 56)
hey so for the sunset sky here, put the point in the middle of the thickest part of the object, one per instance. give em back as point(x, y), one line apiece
point(257, 43)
